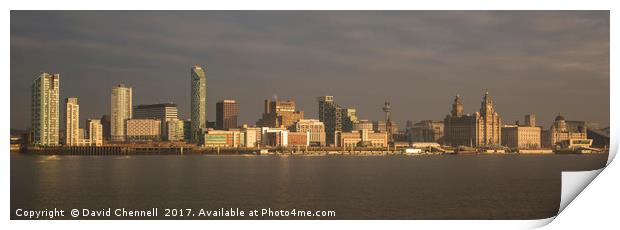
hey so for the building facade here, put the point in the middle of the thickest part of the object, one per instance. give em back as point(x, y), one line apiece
point(143, 130)
point(363, 124)
point(163, 112)
point(198, 102)
point(224, 138)
point(95, 132)
point(72, 121)
point(45, 117)
point(315, 128)
point(331, 116)
point(349, 119)
point(563, 130)
point(521, 137)
point(481, 129)
point(279, 114)
point(425, 131)
point(362, 138)
point(105, 122)
point(121, 111)
point(226, 112)
point(175, 130)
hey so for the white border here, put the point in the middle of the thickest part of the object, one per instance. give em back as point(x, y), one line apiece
point(593, 206)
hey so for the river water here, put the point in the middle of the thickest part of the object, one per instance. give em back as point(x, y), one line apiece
point(355, 187)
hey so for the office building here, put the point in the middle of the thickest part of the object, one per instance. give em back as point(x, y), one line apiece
point(253, 136)
point(45, 110)
point(143, 130)
point(361, 138)
point(175, 129)
point(198, 102)
point(72, 121)
point(349, 119)
point(521, 136)
point(279, 114)
point(331, 116)
point(315, 128)
point(226, 112)
point(224, 138)
point(481, 129)
point(163, 112)
point(121, 111)
point(298, 139)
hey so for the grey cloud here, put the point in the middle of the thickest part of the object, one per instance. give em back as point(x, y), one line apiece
point(532, 61)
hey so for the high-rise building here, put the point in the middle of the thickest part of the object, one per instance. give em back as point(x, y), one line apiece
point(198, 103)
point(95, 132)
point(315, 128)
point(349, 119)
point(72, 121)
point(45, 110)
point(226, 112)
point(163, 112)
point(330, 115)
point(105, 123)
point(280, 114)
point(477, 130)
point(121, 111)
point(143, 130)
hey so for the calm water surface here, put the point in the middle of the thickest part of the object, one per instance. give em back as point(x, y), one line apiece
point(379, 187)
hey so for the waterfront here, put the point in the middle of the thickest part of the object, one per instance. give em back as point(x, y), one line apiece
point(376, 187)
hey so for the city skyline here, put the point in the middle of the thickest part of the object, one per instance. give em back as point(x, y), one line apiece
point(575, 84)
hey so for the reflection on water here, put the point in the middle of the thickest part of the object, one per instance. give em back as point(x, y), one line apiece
point(385, 187)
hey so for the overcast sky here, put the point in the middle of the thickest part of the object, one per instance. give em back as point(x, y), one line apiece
point(542, 62)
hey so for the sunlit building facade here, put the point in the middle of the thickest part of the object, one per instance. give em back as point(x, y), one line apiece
point(121, 111)
point(45, 110)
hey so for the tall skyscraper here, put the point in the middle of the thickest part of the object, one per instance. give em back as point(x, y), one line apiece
point(121, 111)
point(72, 121)
point(198, 102)
point(163, 112)
point(226, 112)
point(45, 110)
point(330, 115)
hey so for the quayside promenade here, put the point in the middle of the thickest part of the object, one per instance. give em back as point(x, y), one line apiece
point(179, 149)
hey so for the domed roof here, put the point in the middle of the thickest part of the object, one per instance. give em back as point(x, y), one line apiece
point(559, 118)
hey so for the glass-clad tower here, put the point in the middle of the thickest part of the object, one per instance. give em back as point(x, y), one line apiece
point(198, 102)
